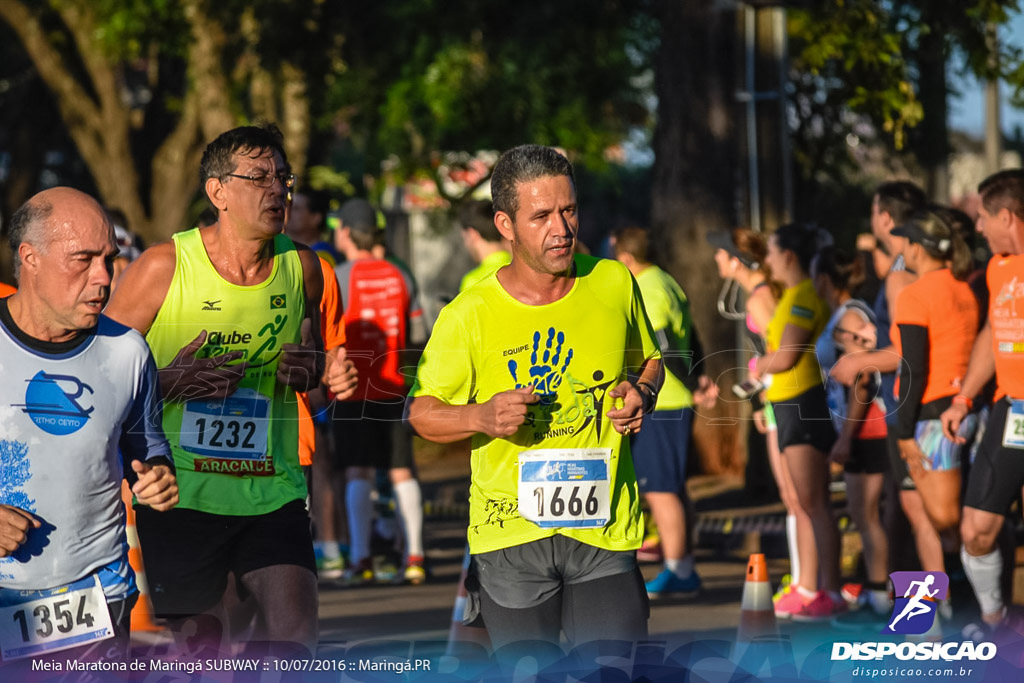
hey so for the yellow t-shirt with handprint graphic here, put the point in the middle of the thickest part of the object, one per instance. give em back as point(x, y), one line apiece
point(573, 351)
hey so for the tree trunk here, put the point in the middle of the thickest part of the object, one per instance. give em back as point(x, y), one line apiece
point(695, 175)
point(297, 121)
point(931, 137)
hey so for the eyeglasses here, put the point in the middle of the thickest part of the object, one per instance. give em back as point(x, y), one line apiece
point(267, 180)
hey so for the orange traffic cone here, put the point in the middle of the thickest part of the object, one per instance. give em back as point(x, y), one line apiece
point(142, 613)
point(757, 614)
point(460, 634)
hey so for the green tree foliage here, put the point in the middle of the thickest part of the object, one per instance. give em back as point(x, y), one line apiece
point(874, 72)
point(143, 85)
point(424, 76)
point(849, 54)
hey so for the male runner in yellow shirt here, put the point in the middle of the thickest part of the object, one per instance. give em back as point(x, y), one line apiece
point(546, 365)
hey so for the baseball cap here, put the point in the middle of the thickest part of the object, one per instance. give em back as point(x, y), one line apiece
point(358, 215)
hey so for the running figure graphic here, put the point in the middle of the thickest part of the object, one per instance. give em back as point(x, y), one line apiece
point(915, 607)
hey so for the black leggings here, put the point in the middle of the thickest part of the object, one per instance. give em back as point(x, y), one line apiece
point(611, 608)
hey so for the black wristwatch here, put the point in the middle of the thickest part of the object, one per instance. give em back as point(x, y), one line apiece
point(650, 396)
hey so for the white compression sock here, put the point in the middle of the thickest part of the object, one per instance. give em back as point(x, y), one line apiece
point(794, 553)
point(409, 503)
point(983, 572)
point(359, 505)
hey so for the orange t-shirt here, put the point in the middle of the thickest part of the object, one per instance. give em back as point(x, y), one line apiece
point(333, 332)
point(6, 290)
point(1005, 286)
point(947, 307)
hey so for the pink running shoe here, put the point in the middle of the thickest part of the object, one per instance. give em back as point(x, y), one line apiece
point(821, 608)
point(789, 604)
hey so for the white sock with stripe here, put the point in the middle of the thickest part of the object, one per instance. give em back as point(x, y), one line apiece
point(409, 504)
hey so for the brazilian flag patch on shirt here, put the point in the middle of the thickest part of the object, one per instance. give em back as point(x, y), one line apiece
point(798, 311)
point(277, 301)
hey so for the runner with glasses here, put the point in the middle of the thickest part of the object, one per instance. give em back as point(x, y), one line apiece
point(232, 315)
point(262, 179)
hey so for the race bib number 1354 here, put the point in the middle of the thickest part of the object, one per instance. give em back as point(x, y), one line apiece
point(565, 487)
point(38, 622)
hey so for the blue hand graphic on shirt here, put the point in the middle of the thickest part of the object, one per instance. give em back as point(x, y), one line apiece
point(545, 374)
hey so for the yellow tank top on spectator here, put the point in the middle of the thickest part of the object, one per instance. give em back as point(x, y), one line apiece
point(800, 306)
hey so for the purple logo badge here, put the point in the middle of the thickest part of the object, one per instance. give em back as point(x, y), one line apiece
point(917, 596)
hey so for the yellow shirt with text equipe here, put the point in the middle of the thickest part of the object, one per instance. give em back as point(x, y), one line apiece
point(800, 306)
point(573, 351)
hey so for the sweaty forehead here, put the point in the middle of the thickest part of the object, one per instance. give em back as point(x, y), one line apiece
point(546, 189)
point(80, 221)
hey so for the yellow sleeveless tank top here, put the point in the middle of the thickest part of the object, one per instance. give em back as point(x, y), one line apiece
point(239, 455)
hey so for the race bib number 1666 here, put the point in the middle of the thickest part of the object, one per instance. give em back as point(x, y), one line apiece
point(565, 487)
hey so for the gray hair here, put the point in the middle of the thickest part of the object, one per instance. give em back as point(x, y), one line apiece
point(218, 157)
point(28, 224)
point(523, 164)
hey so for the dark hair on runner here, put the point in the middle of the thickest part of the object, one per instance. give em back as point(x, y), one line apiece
point(943, 243)
point(218, 157)
point(635, 241)
point(523, 164)
point(844, 270)
point(801, 239)
point(1004, 190)
point(26, 226)
point(479, 215)
point(318, 200)
point(961, 223)
point(899, 199)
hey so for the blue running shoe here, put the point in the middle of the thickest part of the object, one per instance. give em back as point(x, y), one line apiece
point(666, 582)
